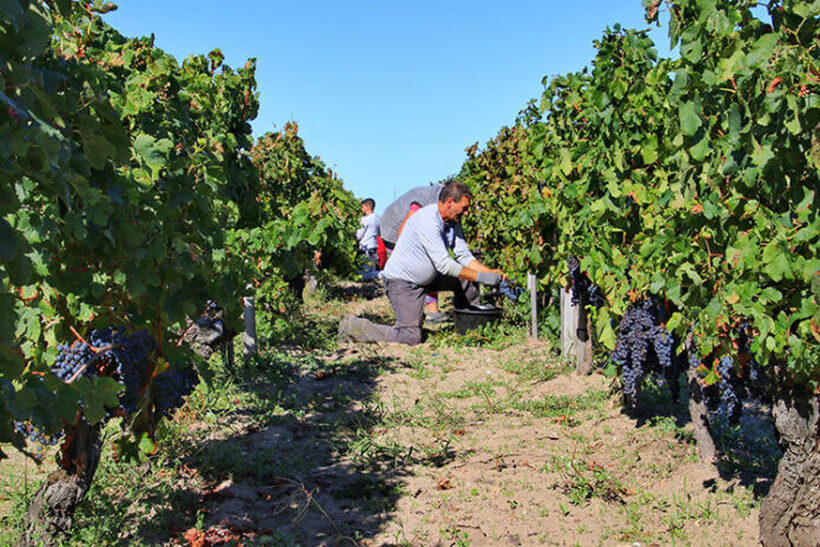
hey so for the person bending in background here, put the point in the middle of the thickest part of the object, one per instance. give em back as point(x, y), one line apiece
point(421, 262)
point(369, 231)
point(392, 221)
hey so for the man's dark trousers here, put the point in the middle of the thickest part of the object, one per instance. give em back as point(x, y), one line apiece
point(407, 300)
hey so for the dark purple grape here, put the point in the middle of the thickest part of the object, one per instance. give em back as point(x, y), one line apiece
point(126, 357)
point(646, 349)
point(583, 290)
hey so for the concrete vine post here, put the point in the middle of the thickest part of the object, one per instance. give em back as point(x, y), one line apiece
point(583, 337)
point(569, 320)
point(532, 287)
point(576, 334)
point(249, 348)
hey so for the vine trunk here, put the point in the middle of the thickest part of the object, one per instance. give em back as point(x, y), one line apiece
point(790, 514)
point(51, 511)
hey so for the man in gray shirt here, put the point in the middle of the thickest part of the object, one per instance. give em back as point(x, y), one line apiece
point(393, 220)
point(421, 262)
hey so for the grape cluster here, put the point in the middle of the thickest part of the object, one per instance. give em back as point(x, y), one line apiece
point(510, 289)
point(644, 347)
point(584, 291)
point(171, 386)
point(34, 435)
point(756, 380)
point(738, 378)
point(723, 397)
point(125, 357)
point(693, 356)
point(731, 389)
point(663, 343)
point(71, 359)
point(126, 361)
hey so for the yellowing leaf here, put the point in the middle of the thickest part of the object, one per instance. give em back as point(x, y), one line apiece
point(162, 366)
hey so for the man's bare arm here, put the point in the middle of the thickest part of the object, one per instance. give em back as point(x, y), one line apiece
point(479, 267)
point(468, 274)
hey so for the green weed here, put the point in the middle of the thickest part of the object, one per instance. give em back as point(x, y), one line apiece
point(484, 389)
point(499, 335)
point(534, 370)
point(562, 408)
point(456, 536)
point(366, 449)
point(584, 479)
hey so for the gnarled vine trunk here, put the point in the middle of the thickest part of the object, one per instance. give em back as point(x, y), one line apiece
point(51, 511)
point(700, 419)
point(790, 514)
point(697, 409)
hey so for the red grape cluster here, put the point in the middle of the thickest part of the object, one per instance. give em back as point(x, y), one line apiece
point(644, 347)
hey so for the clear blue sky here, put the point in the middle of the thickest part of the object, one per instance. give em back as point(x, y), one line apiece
point(388, 94)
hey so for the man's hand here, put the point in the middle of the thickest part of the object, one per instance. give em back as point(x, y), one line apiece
point(479, 267)
point(491, 279)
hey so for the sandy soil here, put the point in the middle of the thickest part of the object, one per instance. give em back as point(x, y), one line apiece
point(468, 445)
point(438, 445)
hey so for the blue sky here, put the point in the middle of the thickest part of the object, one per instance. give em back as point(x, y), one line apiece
point(388, 94)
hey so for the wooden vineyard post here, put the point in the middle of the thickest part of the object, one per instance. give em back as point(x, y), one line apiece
point(532, 287)
point(569, 318)
point(576, 333)
point(583, 334)
point(249, 348)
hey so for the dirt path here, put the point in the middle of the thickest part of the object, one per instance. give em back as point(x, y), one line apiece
point(470, 445)
point(445, 443)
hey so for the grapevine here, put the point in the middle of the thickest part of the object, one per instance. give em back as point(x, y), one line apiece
point(127, 358)
point(695, 179)
point(583, 289)
point(645, 348)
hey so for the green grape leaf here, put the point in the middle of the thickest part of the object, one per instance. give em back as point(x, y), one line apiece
point(566, 161)
point(690, 120)
point(761, 51)
point(605, 332)
point(700, 149)
point(153, 152)
point(778, 268)
point(96, 394)
point(97, 148)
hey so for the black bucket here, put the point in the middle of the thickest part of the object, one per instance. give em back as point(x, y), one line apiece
point(469, 318)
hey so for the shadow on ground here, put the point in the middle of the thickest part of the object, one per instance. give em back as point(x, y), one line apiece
point(747, 451)
point(368, 290)
point(315, 474)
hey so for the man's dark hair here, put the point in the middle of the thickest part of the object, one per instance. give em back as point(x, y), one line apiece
point(370, 203)
point(455, 190)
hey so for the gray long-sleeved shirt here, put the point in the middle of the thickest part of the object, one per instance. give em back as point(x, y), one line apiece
point(394, 215)
point(366, 235)
point(423, 249)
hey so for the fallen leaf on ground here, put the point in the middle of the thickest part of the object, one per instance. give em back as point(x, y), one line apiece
point(195, 537)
